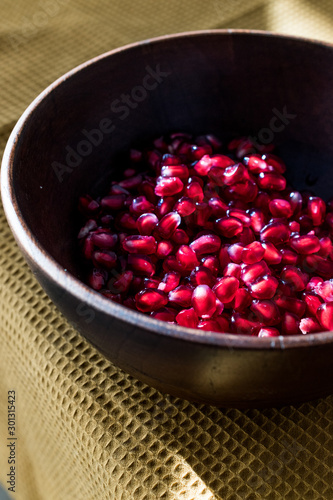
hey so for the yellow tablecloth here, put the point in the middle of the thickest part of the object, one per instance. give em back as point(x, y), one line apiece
point(85, 429)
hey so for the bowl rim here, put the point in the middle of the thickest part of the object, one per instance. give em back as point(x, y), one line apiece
point(41, 259)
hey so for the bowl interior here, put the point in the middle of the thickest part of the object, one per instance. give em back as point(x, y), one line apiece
point(273, 88)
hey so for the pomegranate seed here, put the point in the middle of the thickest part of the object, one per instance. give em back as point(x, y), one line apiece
point(235, 252)
point(242, 325)
point(324, 315)
point(294, 226)
point(194, 191)
point(204, 301)
point(208, 243)
point(203, 166)
point(233, 174)
point(228, 226)
point(88, 206)
point(272, 255)
point(180, 171)
point(209, 325)
point(164, 248)
point(245, 191)
point(306, 244)
point(239, 214)
point(268, 332)
point(266, 311)
point(257, 219)
point(188, 318)
point(164, 206)
point(309, 325)
point(115, 297)
point(252, 272)
point(187, 257)
point(140, 244)
point(316, 210)
point(326, 247)
point(288, 256)
point(89, 226)
point(168, 186)
point(223, 323)
point(290, 324)
point(88, 247)
point(141, 264)
point(140, 205)
point(180, 237)
point(181, 296)
point(104, 258)
point(168, 224)
point(275, 162)
point(312, 284)
point(274, 232)
point(280, 208)
point(172, 264)
point(104, 239)
point(131, 182)
point(150, 299)
point(295, 277)
point(122, 283)
point(201, 276)
point(223, 256)
point(262, 201)
point(184, 206)
point(217, 206)
point(126, 221)
point(246, 237)
point(255, 164)
point(164, 314)
point(318, 265)
point(146, 224)
point(271, 181)
point(242, 300)
point(97, 278)
point(151, 282)
point(290, 304)
point(226, 288)
point(252, 253)
point(212, 263)
point(325, 290)
point(232, 269)
point(264, 287)
point(169, 282)
point(312, 302)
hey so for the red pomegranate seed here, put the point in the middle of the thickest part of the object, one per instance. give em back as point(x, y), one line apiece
point(223, 323)
point(141, 205)
point(290, 324)
point(188, 318)
point(149, 300)
point(126, 221)
point(141, 264)
point(217, 206)
point(151, 282)
point(180, 237)
point(140, 244)
point(233, 174)
point(306, 244)
point(290, 304)
point(261, 201)
point(272, 255)
point(271, 181)
point(113, 202)
point(264, 287)
point(245, 191)
point(194, 191)
point(169, 282)
point(243, 325)
point(275, 162)
point(223, 256)
point(309, 325)
point(268, 332)
point(97, 278)
point(168, 224)
point(242, 300)
point(168, 186)
point(296, 201)
point(131, 182)
point(104, 258)
point(115, 297)
point(184, 206)
point(295, 277)
point(164, 206)
point(209, 325)
point(164, 248)
point(294, 226)
point(187, 257)
point(274, 232)
point(232, 269)
point(181, 296)
point(180, 171)
point(246, 236)
point(121, 283)
point(239, 214)
point(252, 253)
point(201, 275)
point(89, 226)
point(203, 166)
point(146, 223)
point(325, 290)
point(212, 263)
point(88, 247)
point(312, 302)
point(252, 272)
point(104, 239)
point(208, 243)
point(280, 208)
point(324, 315)
point(316, 210)
point(255, 164)
point(228, 226)
point(288, 257)
point(235, 252)
point(201, 214)
point(204, 301)
point(226, 288)
point(326, 247)
point(257, 219)
point(172, 264)
point(88, 206)
point(266, 311)
point(312, 284)
point(318, 265)
point(164, 314)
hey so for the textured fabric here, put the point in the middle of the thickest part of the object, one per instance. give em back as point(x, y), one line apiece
point(87, 430)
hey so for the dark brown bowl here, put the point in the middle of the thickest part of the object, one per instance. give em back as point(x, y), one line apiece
point(230, 83)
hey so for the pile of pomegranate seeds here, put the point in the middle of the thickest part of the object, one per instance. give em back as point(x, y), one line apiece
point(203, 239)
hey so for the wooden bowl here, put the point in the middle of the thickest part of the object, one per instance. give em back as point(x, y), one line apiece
point(272, 87)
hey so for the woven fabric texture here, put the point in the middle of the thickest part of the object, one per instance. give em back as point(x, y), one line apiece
point(86, 429)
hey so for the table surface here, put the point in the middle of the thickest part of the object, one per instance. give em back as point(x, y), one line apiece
point(85, 429)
